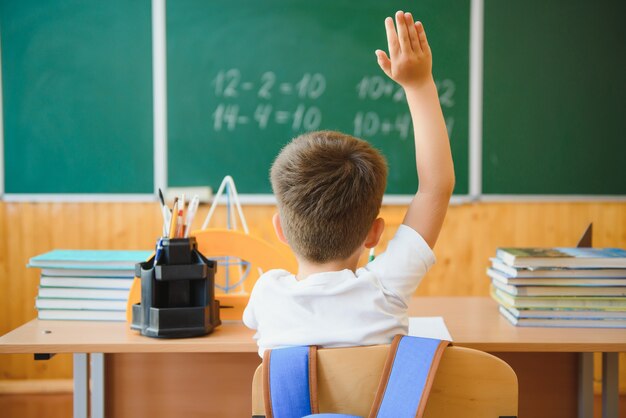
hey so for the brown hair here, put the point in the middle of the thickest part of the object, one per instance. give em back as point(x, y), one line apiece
point(329, 187)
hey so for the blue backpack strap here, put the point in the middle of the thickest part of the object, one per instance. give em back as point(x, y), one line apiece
point(290, 382)
point(407, 377)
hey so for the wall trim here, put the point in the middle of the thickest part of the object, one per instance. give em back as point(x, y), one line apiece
point(78, 197)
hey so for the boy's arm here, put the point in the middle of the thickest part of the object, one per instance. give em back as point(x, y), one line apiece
point(410, 65)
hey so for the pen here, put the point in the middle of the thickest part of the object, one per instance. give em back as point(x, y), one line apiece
point(159, 250)
point(165, 211)
point(174, 220)
point(183, 207)
point(168, 217)
point(180, 220)
point(191, 214)
point(161, 198)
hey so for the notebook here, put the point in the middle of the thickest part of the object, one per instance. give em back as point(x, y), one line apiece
point(429, 327)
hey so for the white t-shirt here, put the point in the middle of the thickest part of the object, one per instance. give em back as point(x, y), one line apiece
point(340, 308)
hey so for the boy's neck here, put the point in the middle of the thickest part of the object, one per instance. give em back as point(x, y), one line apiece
point(306, 268)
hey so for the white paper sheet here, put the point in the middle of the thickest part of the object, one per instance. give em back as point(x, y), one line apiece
point(429, 327)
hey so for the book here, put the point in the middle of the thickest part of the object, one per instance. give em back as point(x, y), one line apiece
point(503, 278)
point(566, 313)
point(563, 257)
point(74, 293)
point(515, 290)
point(498, 265)
point(562, 323)
point(77, 315)
point(94, 304)
point(86, 282)
point(429, 327)
point(72, 272)
point(547, 302)
point(91, 259)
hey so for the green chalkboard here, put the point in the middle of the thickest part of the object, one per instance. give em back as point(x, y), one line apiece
point(554, 97)
point(77, 96)
point(245, 77)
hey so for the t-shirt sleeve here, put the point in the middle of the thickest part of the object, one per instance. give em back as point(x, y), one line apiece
point(403, 265)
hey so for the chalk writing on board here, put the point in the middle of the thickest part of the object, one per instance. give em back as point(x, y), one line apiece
point(446, 89)
point(230, 85)
point(303, 117)
point(368, 124)
point(377, 87)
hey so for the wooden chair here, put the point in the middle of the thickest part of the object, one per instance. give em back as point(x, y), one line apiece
point(469, 383)
point(228, 242)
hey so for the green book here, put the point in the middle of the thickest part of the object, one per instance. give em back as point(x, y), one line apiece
point(560, 291)
point(548, 302)
point(562, 322)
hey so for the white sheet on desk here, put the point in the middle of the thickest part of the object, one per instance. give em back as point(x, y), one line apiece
point(429, 327)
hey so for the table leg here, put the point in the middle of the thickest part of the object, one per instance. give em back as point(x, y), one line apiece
point(80, 385)
point(610, 385)
point(97, 384)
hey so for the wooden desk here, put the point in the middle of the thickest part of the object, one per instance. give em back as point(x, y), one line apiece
point(551, 371)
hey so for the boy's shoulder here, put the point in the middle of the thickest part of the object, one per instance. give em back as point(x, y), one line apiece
point(275, 274)
point(271, 278)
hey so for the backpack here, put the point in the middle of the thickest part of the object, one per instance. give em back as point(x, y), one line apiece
point(290, 380)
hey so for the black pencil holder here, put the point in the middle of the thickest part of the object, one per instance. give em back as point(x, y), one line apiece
point(178, 294)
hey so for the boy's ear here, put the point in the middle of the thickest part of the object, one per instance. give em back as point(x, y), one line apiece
point(279, 228)
point(378, 226)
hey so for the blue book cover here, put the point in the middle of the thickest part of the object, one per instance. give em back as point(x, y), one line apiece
point(93, 259)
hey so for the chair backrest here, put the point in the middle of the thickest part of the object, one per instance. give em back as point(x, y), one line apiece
point(227, 242)
point(468, 383)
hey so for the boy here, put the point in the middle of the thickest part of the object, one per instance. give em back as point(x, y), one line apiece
point(329, 188)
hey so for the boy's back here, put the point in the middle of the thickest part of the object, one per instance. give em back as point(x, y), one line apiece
point(329, 189)
point(341, 308)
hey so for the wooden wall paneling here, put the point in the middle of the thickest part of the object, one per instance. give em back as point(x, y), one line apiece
point(46, 405)
point(470, 235)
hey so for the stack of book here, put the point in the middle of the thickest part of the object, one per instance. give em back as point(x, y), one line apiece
point(560, 287)
point(90, 285)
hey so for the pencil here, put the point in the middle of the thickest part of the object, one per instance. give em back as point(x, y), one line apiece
point(174, 221)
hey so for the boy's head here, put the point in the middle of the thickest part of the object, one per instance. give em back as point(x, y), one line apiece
point(329, 187)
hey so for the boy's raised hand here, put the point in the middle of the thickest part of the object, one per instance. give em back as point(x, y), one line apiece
point(410, 61)
point(410, 64)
